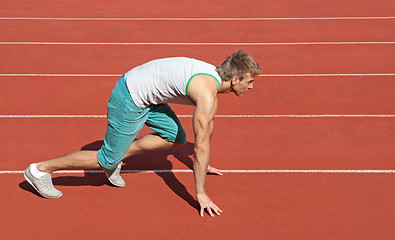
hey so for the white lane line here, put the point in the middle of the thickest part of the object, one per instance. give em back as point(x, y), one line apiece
point(198, 43)
point(52, 116)
point(327, 74)
point(305, 116)
point(381, 171)
point(222, 116)
point(197, 19)
point(57, 75)
point(261, 75)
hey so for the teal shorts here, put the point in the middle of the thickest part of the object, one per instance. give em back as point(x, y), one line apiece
point(125, 120)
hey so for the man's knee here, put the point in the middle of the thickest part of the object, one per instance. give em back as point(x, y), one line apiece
point(108, 161)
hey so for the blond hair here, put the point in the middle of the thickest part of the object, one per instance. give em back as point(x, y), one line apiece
point(238, 64)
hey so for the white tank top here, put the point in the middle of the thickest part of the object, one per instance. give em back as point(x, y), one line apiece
point(166, 80)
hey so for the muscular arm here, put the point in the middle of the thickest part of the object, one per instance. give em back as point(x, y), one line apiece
point(203, 126)
point(203, 92)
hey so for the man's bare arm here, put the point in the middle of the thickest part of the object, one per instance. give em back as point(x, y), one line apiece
point(203, 125)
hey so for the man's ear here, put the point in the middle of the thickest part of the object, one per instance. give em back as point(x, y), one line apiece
point(234, 80)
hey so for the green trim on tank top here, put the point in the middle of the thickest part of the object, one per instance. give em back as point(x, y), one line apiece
point(189, 81)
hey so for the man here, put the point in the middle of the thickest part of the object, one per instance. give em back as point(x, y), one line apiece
point(141, 96)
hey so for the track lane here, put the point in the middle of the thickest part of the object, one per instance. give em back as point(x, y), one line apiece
point(273, 95)
point(287, 206)
point(274, 59)
point(280, 143)
point(180, 8)
point(197, 31)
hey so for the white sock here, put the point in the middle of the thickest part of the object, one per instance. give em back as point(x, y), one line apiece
point(35, 172)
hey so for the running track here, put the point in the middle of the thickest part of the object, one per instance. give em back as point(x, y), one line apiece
point(325, 101)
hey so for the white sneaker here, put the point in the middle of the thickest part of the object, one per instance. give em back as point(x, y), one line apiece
point(43, 185)
point(114, 177)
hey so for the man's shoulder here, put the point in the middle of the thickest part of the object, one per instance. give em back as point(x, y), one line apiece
point(202, 85)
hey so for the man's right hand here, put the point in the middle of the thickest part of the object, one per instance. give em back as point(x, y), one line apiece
point(206, 203)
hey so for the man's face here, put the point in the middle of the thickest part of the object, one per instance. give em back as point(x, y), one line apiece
point(240, 87)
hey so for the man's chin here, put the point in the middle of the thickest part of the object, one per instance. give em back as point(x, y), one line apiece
point(240, 94)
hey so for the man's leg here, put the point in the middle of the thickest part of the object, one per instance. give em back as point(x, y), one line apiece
point(81, 160)
point(149, 143)
point(168, 132)
point(121, 115)
point(85, 160)
point(39, 175)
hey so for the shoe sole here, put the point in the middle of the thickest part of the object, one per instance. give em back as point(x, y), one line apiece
point(30, 182)
point(113, 183)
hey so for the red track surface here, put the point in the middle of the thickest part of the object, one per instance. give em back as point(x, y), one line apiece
point(162, 205)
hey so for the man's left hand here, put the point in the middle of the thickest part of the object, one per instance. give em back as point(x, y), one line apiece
point(215, 171)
